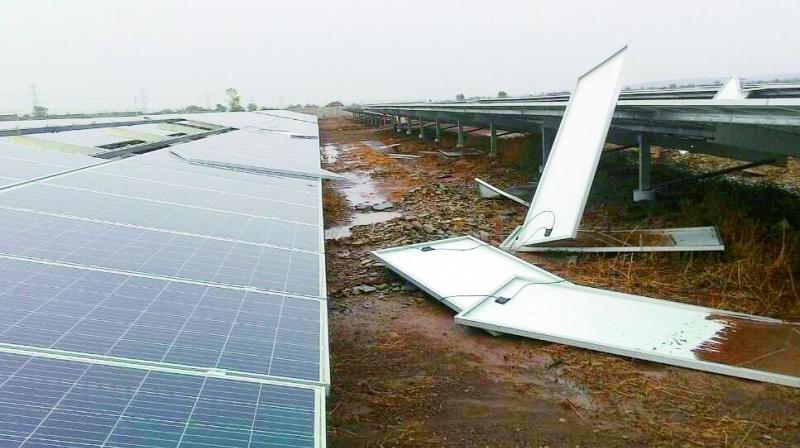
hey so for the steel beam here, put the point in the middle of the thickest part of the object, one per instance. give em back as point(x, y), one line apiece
point(492, 139)
point(644, 193)
point(476, 129)
point(548, 138)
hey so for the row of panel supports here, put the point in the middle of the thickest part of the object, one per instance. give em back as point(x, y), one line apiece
point(645, 192)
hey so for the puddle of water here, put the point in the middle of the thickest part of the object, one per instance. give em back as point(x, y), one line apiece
point(362, 192)
point(379, 146)
point(330, 152)
point(359, 219)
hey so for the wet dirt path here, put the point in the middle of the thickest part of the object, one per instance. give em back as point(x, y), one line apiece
point(405, 375)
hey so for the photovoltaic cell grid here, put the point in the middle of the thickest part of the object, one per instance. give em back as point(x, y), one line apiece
point(177, 194)
point(19, 164)
point(262, 149)
point(57, 307)
point(148, 201)
point(161, 166)
point(167, 216)
point(49, 403)
point(158, 253)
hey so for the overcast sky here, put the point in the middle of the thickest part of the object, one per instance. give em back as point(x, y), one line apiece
point(97, 55)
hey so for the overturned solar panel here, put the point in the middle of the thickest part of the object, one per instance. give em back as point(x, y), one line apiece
point(458, 271)
point(684, 335)
point(694, 239)
point(558, 204)
point(489, 191)
point(731, 90)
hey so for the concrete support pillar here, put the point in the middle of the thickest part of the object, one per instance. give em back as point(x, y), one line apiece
point(460, 135)
point(408, 126)
point(398, 127)
point(548, 138)
point(421, 129)
point(438, 136)
point(492, 139)
point(644, 193)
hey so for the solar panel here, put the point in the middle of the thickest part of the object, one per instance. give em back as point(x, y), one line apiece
point(65, 308)
point(84, 137)
point(158, 253)
point(298, 231)
point(189, 196)
point(47, 402)
point(200, 290)
point(19, 164)
point(259, 148)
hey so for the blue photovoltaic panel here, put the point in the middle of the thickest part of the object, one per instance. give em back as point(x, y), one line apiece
point(170, 171)
point(54, 403)
point(183, 240)
point(158, 253)
point(298, 234)
point(257, 147)
point(175, 194)
point(18, 164)
point(81, 310)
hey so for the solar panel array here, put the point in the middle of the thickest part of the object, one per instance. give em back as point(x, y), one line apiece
point(148, 301)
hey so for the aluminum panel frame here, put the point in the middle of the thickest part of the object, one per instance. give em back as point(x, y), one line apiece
point(461, 265)
point(709, 336)
point(558, 204)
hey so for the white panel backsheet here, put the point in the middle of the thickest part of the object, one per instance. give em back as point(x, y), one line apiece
point(731, 90)
point(656, 330)
point(458, 271)
point(568, 174)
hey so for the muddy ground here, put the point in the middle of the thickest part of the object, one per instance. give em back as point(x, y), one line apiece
point(405, 375)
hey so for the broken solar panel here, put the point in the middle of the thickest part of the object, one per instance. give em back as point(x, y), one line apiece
point(489, 191)
point(47, 403)
point(689, 239)
point(458, 271)
point(557, 205)
point(655, 330)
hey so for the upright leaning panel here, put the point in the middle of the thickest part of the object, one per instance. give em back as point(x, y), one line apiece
point(558, 204)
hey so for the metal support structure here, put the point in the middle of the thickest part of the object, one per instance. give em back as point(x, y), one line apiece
point(548, 138)
point(645, 192)
point(438, 136)
point(700, 177)
point(474, 130)
point(460, 135)
point(492, 139)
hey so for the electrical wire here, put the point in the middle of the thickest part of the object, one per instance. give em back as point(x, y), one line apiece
point(547, 230)
point(429, 248)
point(505, 299)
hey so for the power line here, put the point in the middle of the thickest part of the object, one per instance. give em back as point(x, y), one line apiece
point(143, 99)
point(34, 95)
